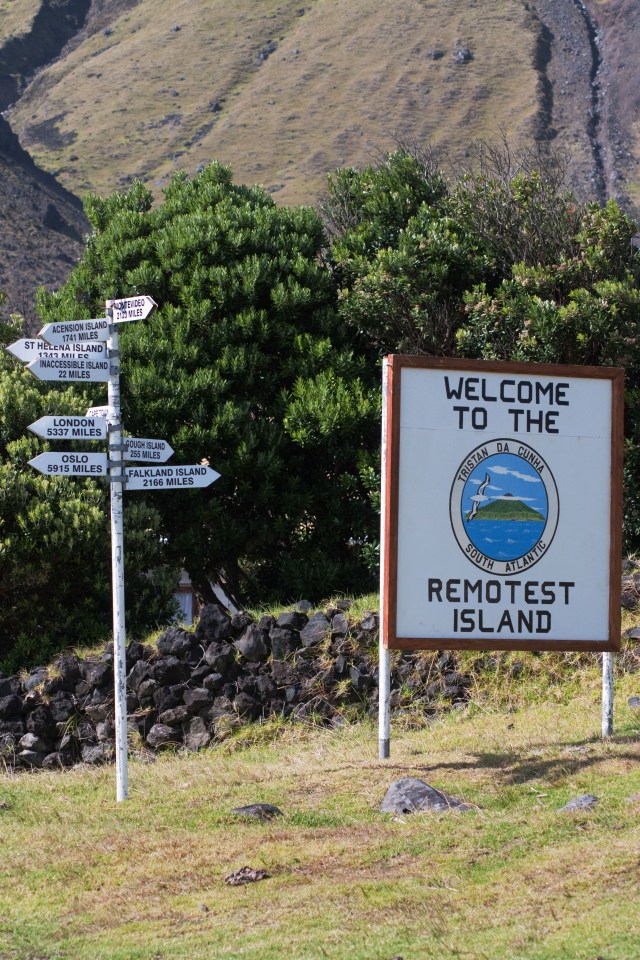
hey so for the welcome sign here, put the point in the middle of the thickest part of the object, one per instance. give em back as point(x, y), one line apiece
point(503, 505)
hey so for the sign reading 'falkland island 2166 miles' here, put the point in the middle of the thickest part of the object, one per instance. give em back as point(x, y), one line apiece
point(503, 508)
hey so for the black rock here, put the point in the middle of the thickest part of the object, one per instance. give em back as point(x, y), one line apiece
point(462, 55)
point(213, 626)
point(96, 673)
point(219, 656)
point(147, 689)
point(68, 668)
point(30, 741)
point(41, 722)
point(213, 682)
point(283, 674)
point(315, 631)
point(9, 686)
point(361, 679)
point(166, 698)
point(586, 801)
point(197, 734)
point(251, 643)
point(35, 679)
point(283, 642)
point(95, 753)
point(246, 706)
point(175, 716)
point(169, 671)
point(161, 735)
point(139, 672)
point(410, 795)
point(56, 760)
point(292, 620)
point(339, 625)
point(266, 688)
point(197, 699)
point(369, 621)
point(634, 703)
point(259, 811)
point(10, 707)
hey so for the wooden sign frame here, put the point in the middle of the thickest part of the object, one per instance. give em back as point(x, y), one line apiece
point(442, 571)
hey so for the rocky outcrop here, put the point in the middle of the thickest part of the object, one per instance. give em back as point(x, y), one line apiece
point(193, 688)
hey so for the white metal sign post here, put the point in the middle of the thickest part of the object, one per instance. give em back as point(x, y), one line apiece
point(502, 508)
point(88, 350)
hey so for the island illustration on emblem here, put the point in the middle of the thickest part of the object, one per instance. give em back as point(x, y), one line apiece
point(504, 506)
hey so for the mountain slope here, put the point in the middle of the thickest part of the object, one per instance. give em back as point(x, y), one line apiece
point(102, 91)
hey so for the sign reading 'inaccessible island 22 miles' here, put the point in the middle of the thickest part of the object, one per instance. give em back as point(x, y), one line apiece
point(503, 507)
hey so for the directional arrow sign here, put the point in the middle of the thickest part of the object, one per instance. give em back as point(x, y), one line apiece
point(138, 449)
point(76, 331)
point(70, 428)
point(71, 464)
point(159, 478)
point(132, 308)
point(98, 412)
point(27, 350)
point(70, 369)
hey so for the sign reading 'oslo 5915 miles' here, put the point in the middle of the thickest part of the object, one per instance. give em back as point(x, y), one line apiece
point(503, 509)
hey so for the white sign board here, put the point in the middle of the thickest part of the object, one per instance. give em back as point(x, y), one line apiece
point(27, 350)
point(70, 368)
point(70, 428)
point(163, 478)
point(132, 308)
point(71, 464)
point(76, 331)
point(136, 448)
point(98, 412)
point(503, 513)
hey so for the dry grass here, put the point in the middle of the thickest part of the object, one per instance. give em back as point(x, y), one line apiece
point(85, 878)
point(346, 77)
point(16, 17)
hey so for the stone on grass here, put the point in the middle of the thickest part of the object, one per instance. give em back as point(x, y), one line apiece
point(411, 795)
point(161, 735)
point(251, 643)
point(634, 703)
point(245, 875)
point(259, 811)
point(197, 735)
point(586, 801)
point(315, 631)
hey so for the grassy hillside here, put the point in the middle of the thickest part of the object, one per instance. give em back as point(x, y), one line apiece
point(282, 92)
point(84, 878)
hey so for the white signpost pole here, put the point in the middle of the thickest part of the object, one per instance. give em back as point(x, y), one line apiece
point(607, 694)
point(116, 475)
point(384, 656)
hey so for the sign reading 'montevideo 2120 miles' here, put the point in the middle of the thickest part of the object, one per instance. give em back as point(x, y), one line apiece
point(503, 507)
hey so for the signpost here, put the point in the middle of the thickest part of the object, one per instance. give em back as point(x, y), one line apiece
point(71, 464)
point(76, 331)
point(88, 351)
point(132, 308)
point(502, 508)
point(163, 478)
point(70, 428)
point(75, 367)
point(98, 412)
point(136, 448)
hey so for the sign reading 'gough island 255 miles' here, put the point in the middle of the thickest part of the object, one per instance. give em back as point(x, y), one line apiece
point(503, 506)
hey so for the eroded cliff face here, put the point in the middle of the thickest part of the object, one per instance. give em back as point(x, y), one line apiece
point(41, 223)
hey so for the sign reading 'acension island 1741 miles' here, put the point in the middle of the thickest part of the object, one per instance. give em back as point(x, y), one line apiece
point(503, 505)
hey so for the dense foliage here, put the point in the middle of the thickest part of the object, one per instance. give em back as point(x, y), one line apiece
point(247, 365)
point(264, 357)
point(498, 264)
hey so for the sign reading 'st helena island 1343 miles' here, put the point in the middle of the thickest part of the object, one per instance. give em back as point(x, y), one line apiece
point(503, 507)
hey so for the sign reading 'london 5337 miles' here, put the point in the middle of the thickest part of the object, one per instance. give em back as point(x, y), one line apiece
point(503, 505)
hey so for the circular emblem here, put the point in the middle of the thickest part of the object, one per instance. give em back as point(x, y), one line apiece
point(504, 506)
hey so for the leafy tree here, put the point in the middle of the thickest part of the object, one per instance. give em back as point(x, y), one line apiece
point(246, 364)
point(495, 262)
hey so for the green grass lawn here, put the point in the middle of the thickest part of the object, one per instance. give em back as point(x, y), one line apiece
point(83, 877)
